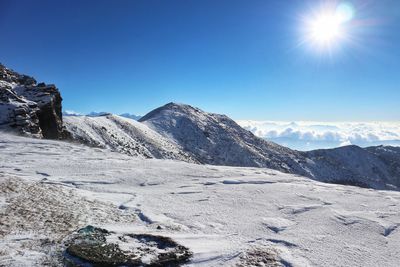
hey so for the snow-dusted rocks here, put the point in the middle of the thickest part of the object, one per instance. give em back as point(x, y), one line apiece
point(28, 107)
point(375, 167)
point(123, 135)
point(390, 156)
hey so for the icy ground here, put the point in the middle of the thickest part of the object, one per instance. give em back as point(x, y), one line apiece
point(227, 216)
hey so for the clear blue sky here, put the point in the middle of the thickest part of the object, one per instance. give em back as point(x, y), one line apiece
point(240, 58)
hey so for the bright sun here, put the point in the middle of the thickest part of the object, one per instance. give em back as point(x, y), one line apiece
point(328, 26)
point(325, 28)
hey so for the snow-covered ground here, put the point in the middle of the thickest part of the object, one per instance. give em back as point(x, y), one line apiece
point(226, 215)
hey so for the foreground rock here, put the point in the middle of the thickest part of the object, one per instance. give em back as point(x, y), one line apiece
point(99, 247)
point(28, 107)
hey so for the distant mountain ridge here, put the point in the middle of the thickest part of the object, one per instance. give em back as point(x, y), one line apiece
point(131, 116)
point(103, 113)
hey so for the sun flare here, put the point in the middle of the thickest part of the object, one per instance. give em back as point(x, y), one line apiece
point(327, 27)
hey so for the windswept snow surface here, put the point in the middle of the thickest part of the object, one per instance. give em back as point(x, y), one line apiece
point(227, 216)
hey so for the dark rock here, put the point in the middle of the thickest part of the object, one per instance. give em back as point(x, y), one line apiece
point(99, 254)
point(89, 247)
point(38, 106)
point(91, 229)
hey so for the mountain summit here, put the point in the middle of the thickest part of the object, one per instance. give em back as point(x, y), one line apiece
point(217, 139)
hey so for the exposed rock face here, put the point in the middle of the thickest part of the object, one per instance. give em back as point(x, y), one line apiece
point(28, 107)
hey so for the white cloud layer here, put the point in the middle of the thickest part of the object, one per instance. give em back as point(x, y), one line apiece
point(313, 135)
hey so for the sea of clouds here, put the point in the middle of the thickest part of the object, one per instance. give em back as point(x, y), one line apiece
point(306, 135)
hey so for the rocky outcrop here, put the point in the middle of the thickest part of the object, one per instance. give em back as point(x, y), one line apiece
point(29, 107)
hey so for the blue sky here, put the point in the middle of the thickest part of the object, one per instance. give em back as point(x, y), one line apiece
point(240, 58)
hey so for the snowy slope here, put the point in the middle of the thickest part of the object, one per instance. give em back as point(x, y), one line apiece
point(123, 135)
point(216, 139)
point(391, 157)
point(227, 216)
point(357, 166)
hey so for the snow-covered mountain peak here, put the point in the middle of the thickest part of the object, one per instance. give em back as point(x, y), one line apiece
point(172, 108)
point(217, 139)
